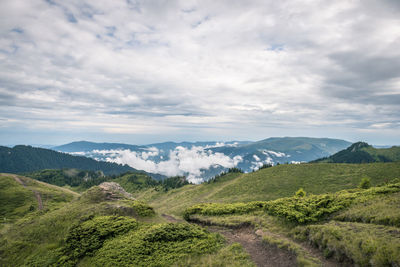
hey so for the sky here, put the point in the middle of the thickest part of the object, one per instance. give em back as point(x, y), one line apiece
point(148, 71)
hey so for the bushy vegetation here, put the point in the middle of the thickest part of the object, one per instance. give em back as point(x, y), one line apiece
point(71, 177)
point(300, 193)
point(298, 209)
point(173, 182)
point(157, 245)
point(142, 209)
point(362, 244)
point(271, 183)
point(107, 228)
point(365, 183)
point(36, 238)
point(315, 207)
point(86, 237)
point(221, 209)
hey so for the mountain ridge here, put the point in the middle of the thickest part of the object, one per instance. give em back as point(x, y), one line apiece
point(362, 152)
point(21, 158)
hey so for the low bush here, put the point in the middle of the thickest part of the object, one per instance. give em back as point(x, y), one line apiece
point(221, 209)
point(365, 183)
point(86, 237)
point(300, 193)
point(142, 209)
point(315, 207)
point(157, 245)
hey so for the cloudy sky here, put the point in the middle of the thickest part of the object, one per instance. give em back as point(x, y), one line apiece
point(150, 71)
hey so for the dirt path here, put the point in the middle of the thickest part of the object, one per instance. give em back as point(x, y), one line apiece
point(170, 218)
point(262, 254)
point(312, 251)
point(37, 194)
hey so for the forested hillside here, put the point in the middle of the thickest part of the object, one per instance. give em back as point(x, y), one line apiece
point(20, 159)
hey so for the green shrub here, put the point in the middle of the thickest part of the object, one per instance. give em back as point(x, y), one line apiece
point(365, 183)
point(142, 209)
point(221, 209)
point(300, 193)
point(315, 207)
point(157, 245)
point(86, 237)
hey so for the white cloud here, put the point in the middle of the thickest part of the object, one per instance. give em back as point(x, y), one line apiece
point(274, 153)
point(182, 161)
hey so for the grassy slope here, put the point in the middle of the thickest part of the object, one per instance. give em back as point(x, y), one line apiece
point(368, 234)
point(392, 153)
point(47, 237)
point(21, 200)
point(272, 183)
point(35, 238)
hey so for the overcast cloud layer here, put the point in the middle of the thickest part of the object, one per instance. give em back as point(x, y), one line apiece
point(147, 71)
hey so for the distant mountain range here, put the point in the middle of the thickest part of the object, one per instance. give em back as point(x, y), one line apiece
point(21, 159)
point(85, 146)
point(203, 160)
point(361, 152)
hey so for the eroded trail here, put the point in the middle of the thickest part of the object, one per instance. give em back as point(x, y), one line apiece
point(37, 194)
point(170, 218)
point(262, 254)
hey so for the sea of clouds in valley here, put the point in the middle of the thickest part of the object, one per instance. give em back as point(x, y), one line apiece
point(197, 163)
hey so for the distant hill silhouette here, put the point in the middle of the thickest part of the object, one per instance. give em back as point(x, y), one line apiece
point(362, 152)
point(21, 159)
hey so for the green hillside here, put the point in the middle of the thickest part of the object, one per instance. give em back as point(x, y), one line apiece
point(330, 222)
point(253, 217)
point(18, 197)
point(102, 226)
point(272, 183)
point(361, 152)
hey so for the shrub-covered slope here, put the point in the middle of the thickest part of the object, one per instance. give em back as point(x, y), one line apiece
point(103, 226)
point(330, 222)
point(272, 183)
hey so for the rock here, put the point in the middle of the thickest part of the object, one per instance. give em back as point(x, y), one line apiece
point(114, 191)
